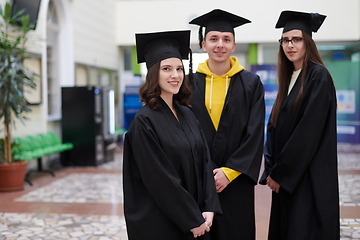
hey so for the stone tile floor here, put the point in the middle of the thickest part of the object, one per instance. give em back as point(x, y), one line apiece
point(349, 190)
point(81, 188)
point(107, 188)
point(86, 203)
point(61, 226)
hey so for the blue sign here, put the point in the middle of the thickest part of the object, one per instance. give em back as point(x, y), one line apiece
point(268, 77)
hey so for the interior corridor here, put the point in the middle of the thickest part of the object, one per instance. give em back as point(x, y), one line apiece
point(86, 203)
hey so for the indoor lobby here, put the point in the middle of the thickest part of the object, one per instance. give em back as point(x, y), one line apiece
point(87, 202)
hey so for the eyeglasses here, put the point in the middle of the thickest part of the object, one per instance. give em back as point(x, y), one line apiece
point(295, 40)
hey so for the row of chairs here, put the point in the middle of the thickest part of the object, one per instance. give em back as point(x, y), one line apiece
point(37, 146)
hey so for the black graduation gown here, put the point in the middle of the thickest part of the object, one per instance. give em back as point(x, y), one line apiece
point(237, 144)
point(301, 155)
point(167, 180)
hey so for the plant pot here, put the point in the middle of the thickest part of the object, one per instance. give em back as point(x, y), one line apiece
point(12, 176)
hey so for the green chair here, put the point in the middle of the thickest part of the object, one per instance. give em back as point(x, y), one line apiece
point(22, 150)
point(119, 131)
point(46, 142)
point(57, 142)
point(37, 147)
point(39, 150)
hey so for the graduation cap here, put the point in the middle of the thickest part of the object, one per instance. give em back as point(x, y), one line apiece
point(218, 20)
point(154, 47)
point(307, 22)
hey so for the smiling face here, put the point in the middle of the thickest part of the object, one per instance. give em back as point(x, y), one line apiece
point(219, 45)
point(171, 75)
point(294, 50)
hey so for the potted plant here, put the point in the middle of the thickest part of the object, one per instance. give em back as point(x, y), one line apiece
point(14, 78)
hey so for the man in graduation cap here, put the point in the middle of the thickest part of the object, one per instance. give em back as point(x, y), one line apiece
point(169, 190)
point(228, 101)
point(301, 147)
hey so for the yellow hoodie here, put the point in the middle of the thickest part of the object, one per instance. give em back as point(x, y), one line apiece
point(215, 94)
point(216, 88)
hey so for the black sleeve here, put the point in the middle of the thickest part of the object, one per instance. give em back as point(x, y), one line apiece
point(268, 153)
point(301, 147)
point(161, 179)
point(247, 158)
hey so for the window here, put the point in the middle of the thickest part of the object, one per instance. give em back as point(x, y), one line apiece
point(53, 82)
point(34, 96)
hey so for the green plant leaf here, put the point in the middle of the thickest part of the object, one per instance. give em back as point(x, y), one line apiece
point(25, 22)
point(7, 13)
point(17, 15)
point(14, 77)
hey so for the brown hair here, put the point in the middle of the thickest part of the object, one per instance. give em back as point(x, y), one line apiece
point(285, 69)
point(150, 91)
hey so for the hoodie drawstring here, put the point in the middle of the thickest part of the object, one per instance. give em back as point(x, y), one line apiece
point(227, 84)
point(211, 90)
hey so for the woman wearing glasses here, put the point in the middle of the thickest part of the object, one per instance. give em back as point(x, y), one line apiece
point(301, 147)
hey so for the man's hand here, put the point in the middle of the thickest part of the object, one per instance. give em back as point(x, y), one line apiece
point(272, 184)
point(221, 181)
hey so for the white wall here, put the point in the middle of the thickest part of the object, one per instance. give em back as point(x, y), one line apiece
point(87, 36)
point(94, 33)
point(66, 45)
point(342, 23)
point(93, 30)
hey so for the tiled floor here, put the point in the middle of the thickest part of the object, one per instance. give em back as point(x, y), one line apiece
point(86, 203)
point(81, 188)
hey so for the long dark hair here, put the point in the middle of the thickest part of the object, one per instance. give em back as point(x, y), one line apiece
point(150, 91)
point(285, 69)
